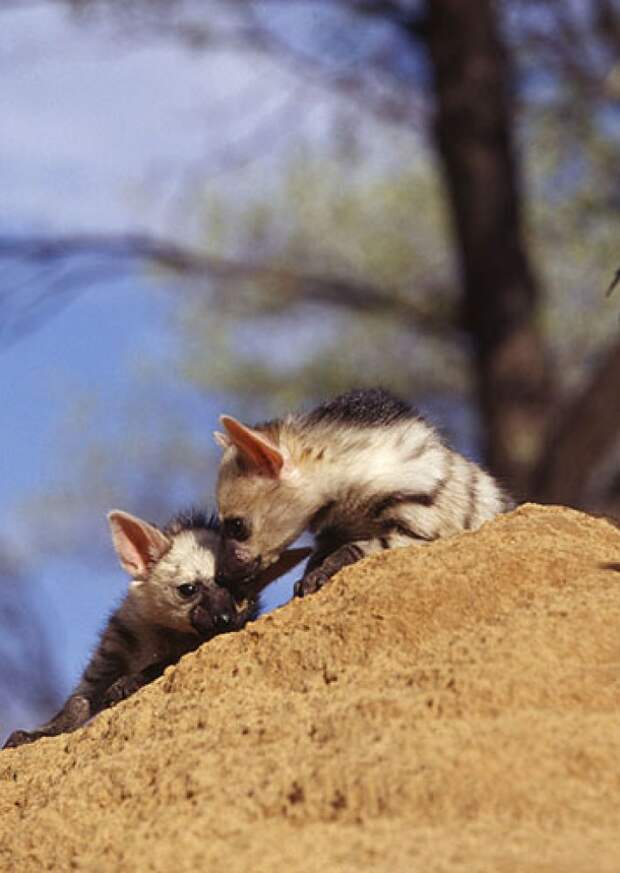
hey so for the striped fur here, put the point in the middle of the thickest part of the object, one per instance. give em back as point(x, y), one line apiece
point(155, 624)
point(363, 472)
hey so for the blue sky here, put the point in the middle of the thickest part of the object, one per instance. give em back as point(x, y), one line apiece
point(101, 134)
point(97, 135)
point(95, 128)
point(86, 351)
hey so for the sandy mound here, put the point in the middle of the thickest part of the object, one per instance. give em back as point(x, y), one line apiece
point(451, 707)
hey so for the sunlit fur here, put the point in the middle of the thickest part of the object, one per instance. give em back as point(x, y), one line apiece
point(153, 621)
point(341, 469)
point(155, 602)
point(278, 509)
point(151, 628)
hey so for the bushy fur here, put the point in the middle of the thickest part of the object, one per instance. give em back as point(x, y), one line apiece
point(155, 624)
point(363, 472)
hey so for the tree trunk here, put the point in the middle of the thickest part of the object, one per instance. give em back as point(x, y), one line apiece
point(474, 138)
point(586, 430)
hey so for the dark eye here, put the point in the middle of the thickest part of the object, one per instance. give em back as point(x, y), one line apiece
point(236, 528)
point(188, 589)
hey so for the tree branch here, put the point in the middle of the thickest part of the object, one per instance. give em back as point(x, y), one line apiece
point(195, 265)
point(393, 105)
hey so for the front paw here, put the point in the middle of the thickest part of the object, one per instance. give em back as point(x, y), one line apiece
point(20, 738)
point(122, 688)
point(311, 583)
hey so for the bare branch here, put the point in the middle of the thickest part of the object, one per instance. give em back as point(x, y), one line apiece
point(396, 12)
point(188, 263)
point(614, 282)
point(397, 105)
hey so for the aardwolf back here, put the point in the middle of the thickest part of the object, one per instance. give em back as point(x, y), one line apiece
point(363, 472)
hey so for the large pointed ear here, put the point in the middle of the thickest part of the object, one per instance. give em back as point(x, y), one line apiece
point(262, 455)
point(138, 544)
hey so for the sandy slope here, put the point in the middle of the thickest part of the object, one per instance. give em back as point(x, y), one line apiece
point(451, 707)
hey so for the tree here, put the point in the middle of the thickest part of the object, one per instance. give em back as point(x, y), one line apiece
point(520, 395)
point(501, 297)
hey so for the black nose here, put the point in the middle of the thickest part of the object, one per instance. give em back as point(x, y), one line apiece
point(222, 621)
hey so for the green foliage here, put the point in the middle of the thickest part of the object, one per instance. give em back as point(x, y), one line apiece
point(271, 339)
point(573, 232)
point(388, 229)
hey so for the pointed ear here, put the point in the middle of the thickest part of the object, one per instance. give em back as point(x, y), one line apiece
point(138, 544)
point(262, 455)
point(221, 439)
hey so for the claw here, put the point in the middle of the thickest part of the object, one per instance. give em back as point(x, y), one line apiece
point(310, 584)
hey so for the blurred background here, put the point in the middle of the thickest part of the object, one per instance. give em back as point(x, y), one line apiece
point(249, 206)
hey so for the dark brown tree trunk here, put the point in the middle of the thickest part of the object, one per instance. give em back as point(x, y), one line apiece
point(586, 430)
point(475, 142)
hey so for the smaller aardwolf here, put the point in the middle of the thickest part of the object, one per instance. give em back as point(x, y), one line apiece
point(173, 605)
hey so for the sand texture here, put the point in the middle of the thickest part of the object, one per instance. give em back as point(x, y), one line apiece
point(447, 707)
